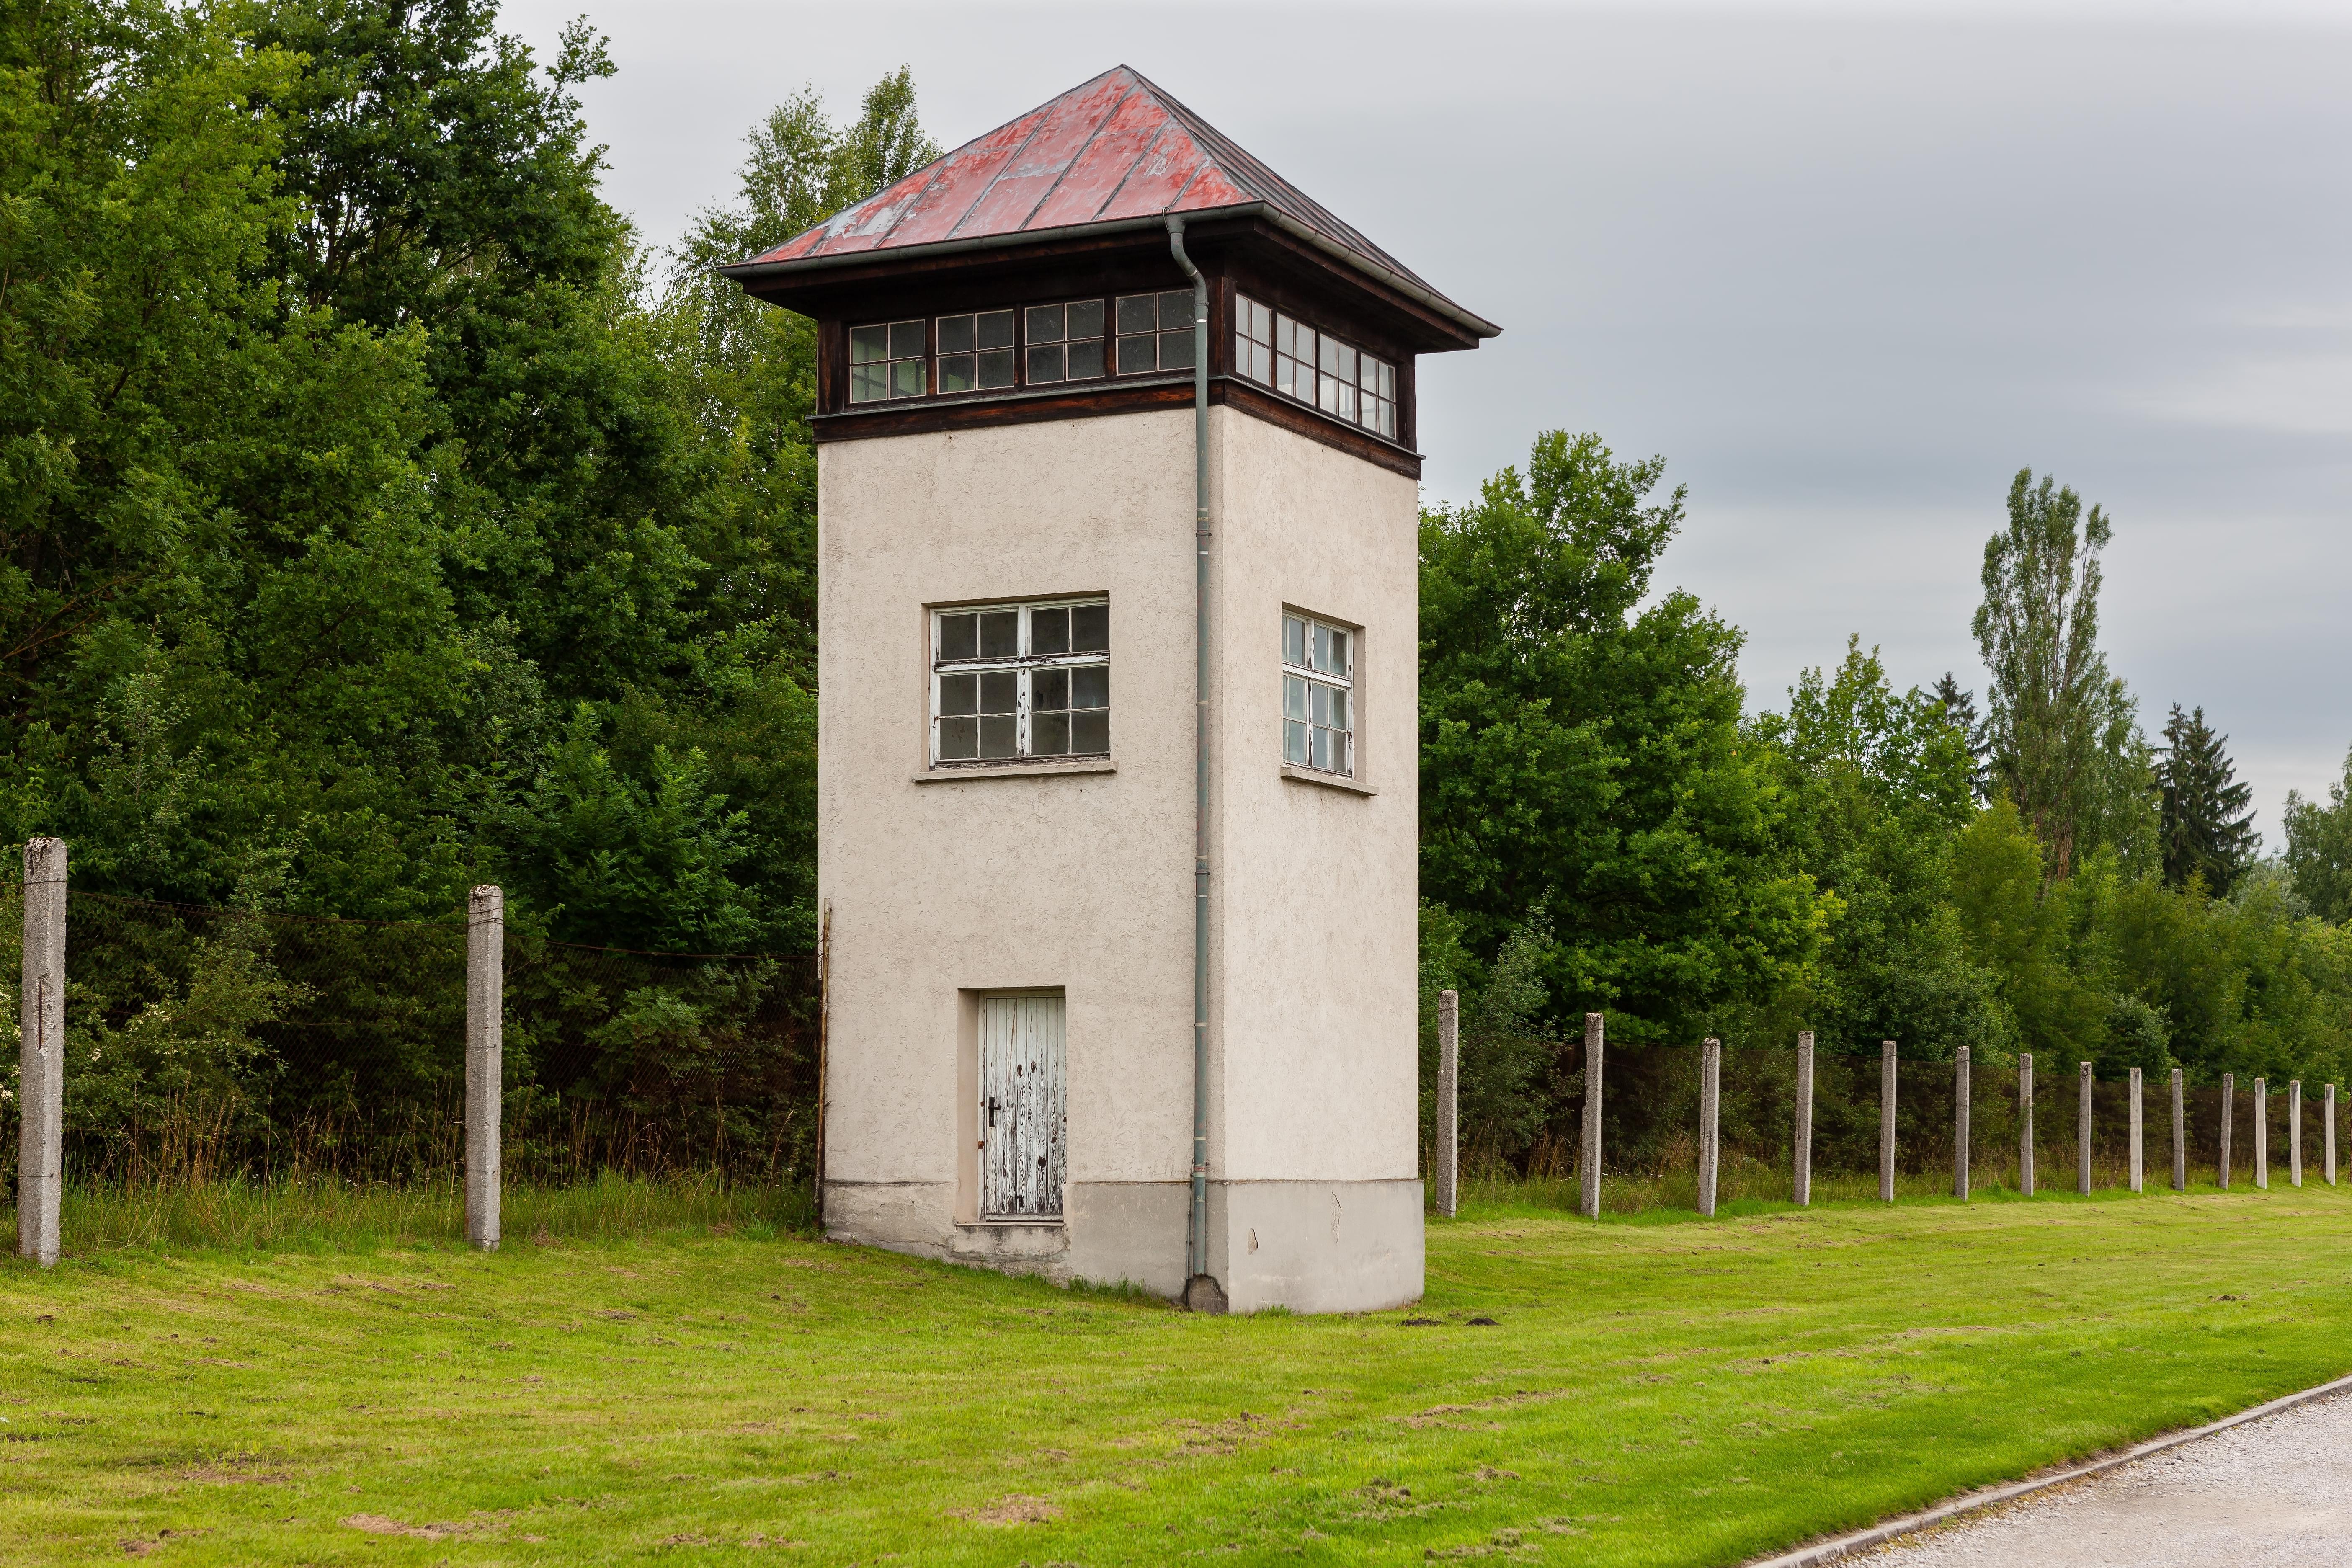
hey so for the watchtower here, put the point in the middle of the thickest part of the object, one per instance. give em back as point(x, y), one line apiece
point(1118, 537)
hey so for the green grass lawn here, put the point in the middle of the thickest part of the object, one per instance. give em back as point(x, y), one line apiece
point(1650, 1391)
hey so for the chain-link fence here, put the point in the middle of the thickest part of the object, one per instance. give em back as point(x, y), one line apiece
point(204, 1043)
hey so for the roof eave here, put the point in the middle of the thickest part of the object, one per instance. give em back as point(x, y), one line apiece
point(1421, 293)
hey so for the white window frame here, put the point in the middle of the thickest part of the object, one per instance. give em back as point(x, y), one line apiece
point(1305, 676)
point(1024, 665)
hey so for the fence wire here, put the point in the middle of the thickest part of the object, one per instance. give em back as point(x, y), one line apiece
point(206, 1043)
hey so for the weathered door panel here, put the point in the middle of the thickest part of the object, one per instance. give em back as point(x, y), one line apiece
point(1020, 1106)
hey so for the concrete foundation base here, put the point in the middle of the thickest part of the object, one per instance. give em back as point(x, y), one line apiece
point(1312, 1246)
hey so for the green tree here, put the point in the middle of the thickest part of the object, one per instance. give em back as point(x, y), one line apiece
point(2319, 848)
point(2061, 731)
point(1582, 752)
point(1878, 784)
point(2209, 817)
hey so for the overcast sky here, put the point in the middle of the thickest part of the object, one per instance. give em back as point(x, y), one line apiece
point(1848, 269)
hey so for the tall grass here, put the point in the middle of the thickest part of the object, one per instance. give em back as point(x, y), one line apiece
point(324, 1214)
point(1743, 1184)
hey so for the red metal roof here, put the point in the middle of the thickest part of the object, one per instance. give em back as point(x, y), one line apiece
point(1113, 150)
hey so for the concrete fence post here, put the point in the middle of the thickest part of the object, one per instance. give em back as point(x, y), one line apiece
point(2179, 1133)
point(2295, 1131)
point(2025, 1122)
point(486, 931)
point(2229, 1095)
point(2138, 1095)
point(41, 1057)
point(1449, 1101)
point(1961, 1124)
point(1800, 1183)
point(2327, 1132)
point(2082, 1133)
point(1886, 1121)
point(1710, 1122)
point(1588, 1197)
point(2263, 1133)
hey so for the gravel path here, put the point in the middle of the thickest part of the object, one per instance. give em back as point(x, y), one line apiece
point(2277, 1491)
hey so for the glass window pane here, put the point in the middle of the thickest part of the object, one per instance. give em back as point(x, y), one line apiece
point(959, 694)
point(1286, 336)
point(867, 344)
point(907, 340)
point(956, 334)
point(1261, 363)
point(1346, 364)
point(1090, 685)
point(959, 738)
point(1339, 711)
point(1083, 318)
point(995, 368)
point(996, 329)
point(1137, 355)
point(1327, 355)
point(1045, 323)
point(999, 634)
point(1049, 688)
point(907, 378)
point(1046, 364)
point(1138, 313)
point(1321, 756)
point(1292, 378)
point(1343, 398)
point(958, 636)
point(1049, 735)
point(1293, 697)
point(869, 382)
point(1339, 665)
point(1049, 631)
point(1090, 732)
point(1319, 704)
point(999, 737)
point(1176, 351)
point(1000, 691)
point(1293, 741)
point(956, 372)
point(1090, 628)
point(1086, 360)
point(1294, 640)
point(1176, 308)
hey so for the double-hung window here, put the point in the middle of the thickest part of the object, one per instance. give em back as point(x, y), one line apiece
point(1318, 695)
point(1010, 681)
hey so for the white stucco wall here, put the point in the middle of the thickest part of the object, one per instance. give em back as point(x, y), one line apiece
point(1084, 880)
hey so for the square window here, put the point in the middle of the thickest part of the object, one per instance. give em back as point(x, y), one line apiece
point(1138, 354)
point(1019, 680)
point(1083, 318)
point(1137, 313)
point(888, 360)
point(995, 329)
point(1176, 351)
point(1085, 360)
point(1048, 362)
point(1176, 310)
point(994, 368)
point(958, 334)
point(1044, 324)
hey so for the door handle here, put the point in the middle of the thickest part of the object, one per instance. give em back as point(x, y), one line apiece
point(991, 1110)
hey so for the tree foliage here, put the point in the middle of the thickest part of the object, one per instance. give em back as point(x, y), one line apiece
point(1581, 751)
point(2318, 855)
point(2061, 728)
point(2207, 816)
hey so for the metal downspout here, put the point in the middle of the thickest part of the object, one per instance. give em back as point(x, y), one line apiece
point(1197, 1262)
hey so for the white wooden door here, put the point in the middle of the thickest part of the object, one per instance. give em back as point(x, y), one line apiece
point(1021, 1115)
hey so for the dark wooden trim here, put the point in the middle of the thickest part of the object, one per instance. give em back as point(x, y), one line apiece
point(1301, 420)
point(1101, 398)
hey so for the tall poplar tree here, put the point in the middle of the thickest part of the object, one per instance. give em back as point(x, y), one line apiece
point(2061, 728)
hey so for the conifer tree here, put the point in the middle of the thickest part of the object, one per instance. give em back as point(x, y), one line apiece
point(1960, 713)
point(2209, 819)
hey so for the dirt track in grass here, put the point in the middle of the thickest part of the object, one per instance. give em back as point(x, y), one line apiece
point(1648, 1393)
